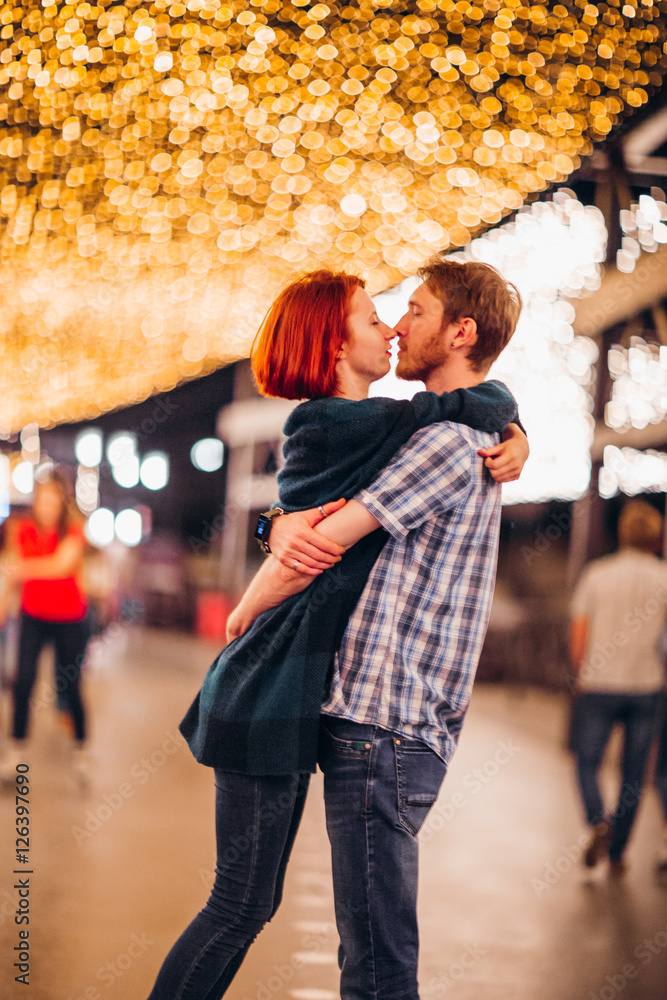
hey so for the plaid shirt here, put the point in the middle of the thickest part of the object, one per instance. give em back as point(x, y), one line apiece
point(408, 657)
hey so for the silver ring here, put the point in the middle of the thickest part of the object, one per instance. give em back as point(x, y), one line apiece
point(322, 511)
point(295, 565)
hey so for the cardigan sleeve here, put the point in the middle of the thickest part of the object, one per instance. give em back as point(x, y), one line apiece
point(335, 447)
point(489, 406)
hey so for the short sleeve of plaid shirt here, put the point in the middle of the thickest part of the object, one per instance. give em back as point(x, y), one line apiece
point(432, 473)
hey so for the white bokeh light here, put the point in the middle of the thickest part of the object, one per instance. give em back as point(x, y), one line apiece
point(629, 471)
point(154, 472)
point(128, 527)
point(121, 445)
point(163, 62)
point(88, 447)
point(23, 478)
point(207, 454)
point(126, 471)
point(4, 487)
point(552, 253)
point(644, 229)
point(639, 390)
point(353, 204)
point(99, 527)
point(87, 491)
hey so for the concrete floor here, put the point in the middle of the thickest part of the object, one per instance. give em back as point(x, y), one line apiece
point(506, 911)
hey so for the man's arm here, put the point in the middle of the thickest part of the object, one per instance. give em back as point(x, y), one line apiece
point(274, 582)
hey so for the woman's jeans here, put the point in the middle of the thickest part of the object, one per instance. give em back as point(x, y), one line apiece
point(661, 770)
point(256, 821)
point(595, 715)
point(70, 640)
point(378, 789)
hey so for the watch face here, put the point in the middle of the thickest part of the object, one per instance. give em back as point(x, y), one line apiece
point(263, 527)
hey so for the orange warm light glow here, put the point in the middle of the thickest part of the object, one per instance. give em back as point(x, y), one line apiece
point(167, 166)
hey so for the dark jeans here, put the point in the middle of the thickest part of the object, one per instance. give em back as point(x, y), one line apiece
point(661, 770)
point(595, 715)
point(70, 640)
point(256, 821)
point(378, 789)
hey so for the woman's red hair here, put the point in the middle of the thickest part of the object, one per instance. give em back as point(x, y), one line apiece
point(295, 351)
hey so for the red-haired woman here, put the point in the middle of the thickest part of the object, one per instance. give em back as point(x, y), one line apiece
point(256, 718)
point(49, 548)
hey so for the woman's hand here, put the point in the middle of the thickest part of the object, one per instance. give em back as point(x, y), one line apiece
point(506, 460)
point(293, 540)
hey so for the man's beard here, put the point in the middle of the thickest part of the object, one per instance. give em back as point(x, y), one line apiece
point(417, 365)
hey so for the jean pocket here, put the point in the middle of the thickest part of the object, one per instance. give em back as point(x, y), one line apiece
point(419, 775)
point(347, 747)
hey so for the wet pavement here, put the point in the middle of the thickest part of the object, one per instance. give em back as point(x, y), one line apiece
point(115, 871)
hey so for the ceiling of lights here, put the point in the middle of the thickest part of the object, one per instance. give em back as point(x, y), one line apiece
point(166, 166)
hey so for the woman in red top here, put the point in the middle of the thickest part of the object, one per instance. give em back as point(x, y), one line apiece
point(49, 547)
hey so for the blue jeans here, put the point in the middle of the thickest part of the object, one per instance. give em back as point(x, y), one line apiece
point(595, 715)
point(256, 821)
point(661, 770)
point(378, 789)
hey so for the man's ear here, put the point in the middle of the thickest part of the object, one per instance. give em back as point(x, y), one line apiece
point(466, 333)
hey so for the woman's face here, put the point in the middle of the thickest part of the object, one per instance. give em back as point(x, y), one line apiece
point(47, 505)
point(366, 353)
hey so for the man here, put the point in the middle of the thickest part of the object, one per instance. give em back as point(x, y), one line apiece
point(618, 615)
point(403, 675)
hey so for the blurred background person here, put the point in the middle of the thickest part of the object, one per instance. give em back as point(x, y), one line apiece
point(45, 561)
point(661, 784)
point(7, 608)
point(618, 614)
point(97, 581)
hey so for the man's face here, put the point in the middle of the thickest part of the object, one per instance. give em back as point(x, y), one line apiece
point(422, 341)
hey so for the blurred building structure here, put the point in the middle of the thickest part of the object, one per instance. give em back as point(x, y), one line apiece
point(252, 430)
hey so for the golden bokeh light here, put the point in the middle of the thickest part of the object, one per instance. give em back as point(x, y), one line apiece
point(166, 166)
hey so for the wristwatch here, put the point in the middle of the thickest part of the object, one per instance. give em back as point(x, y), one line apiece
point(263, 529)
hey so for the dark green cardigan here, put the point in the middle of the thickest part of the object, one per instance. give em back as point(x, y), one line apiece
point(258, 709)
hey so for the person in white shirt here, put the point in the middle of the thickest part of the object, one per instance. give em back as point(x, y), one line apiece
point(618, 614)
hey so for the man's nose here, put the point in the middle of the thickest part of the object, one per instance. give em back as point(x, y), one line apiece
point(401, 327)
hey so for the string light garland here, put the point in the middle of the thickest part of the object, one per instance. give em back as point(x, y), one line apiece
point(166, 166)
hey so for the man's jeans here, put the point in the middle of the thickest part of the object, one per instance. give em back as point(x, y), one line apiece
point(256, 821)
point(594, 717)
point(378, 789)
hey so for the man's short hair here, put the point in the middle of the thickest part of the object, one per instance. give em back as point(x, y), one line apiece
point(640, 526)
point(468, 288)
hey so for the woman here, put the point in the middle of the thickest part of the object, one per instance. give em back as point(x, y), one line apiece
point(256, 718)
point(49, 549)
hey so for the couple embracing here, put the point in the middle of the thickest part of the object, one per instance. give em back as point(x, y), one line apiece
point(356, 644)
